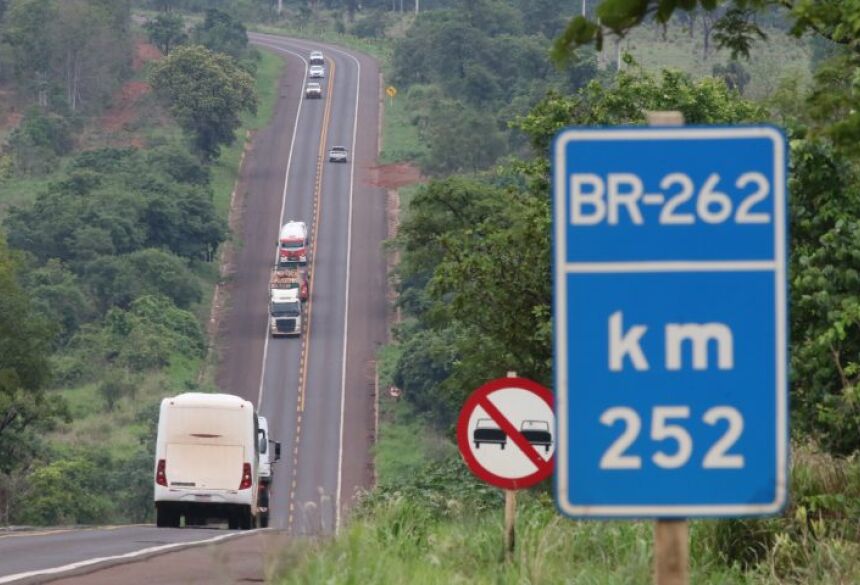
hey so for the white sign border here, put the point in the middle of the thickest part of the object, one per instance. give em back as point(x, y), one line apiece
point(561, 268)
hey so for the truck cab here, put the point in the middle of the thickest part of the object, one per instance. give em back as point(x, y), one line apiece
point(293, 244)
point(285, 312)
point(270, 453)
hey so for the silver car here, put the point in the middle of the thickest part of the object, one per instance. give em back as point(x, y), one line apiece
point(316, 72)
point(313, 90)
point(337, 154)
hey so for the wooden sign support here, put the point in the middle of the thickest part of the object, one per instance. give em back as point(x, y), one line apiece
point(671, 537)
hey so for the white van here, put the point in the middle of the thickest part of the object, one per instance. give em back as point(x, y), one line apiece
point(206, 461)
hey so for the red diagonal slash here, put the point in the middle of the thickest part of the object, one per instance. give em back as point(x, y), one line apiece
point(516, 436)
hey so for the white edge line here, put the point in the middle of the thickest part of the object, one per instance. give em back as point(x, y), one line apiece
point(337, 518)
point(130, 555)
point(283, 204)
point(670, 266)
point(562, 382)
point(780, 284)
point(646, 133)
point(779, 268)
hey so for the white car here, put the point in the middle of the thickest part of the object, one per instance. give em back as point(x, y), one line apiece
point(337, 154)
point(313, 90)
point(316, 72)
point(317, 58)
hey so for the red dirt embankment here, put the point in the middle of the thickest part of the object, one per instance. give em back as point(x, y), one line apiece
point(396, 175)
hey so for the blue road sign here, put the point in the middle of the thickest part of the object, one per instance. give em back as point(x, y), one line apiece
point(670, 321)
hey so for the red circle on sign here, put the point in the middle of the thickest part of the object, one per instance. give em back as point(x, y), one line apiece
point(464, 443)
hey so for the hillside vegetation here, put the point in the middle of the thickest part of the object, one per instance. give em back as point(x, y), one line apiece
point(109, 258)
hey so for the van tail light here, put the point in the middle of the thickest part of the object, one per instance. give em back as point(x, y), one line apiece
point(247, 480)
point(161, 473)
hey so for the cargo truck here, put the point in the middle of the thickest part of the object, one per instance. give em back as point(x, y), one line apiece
point(293, 244)
point(290, 278)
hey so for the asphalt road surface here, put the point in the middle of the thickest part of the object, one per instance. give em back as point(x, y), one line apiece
point(317, 391)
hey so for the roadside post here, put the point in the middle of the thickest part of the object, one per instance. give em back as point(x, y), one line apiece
point(506, 437)
point(392, 92)
point(670, 320)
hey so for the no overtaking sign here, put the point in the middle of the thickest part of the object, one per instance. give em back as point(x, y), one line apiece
point(506, 433)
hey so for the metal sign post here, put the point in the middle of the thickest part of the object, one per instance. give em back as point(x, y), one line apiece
point(670, 320)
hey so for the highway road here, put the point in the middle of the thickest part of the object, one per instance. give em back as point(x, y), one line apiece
point(316, 391)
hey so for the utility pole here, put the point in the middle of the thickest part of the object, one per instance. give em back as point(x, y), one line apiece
point(280, 7)
point(417, 3)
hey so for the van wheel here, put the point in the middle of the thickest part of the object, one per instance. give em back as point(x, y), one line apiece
point(166, 517)
point(246, 520)
point(233, 521)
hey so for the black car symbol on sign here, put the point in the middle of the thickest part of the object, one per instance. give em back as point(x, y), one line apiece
point(487, 431)
point(537, 433)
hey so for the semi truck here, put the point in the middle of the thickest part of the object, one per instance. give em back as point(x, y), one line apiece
point(207, 457)
point(293, 244)
point(290, 278)
point(285, 312)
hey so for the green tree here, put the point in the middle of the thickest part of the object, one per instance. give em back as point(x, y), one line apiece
point(219, 32)
point(26, 33)
point(66, 491)
point(461, 138)
point(118, 281)
point(40, 139)
point(205, 92)
point(166, 31)
point(475, 264)
point(25, 339)
point(59, 297)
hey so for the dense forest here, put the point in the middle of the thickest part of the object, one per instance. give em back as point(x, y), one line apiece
point(106, 251)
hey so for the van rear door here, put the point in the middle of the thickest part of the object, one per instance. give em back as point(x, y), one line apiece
point(209, 467)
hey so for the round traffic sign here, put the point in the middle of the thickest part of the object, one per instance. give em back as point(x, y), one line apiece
point(506, 433)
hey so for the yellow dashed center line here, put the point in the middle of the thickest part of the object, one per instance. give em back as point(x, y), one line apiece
point(303, 358)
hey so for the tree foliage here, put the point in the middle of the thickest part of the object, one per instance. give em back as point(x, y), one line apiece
point(472, 67)
point(25, 339)
point(69, 52)
point(220, 33)
point(205, 92)
point(166, 31)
